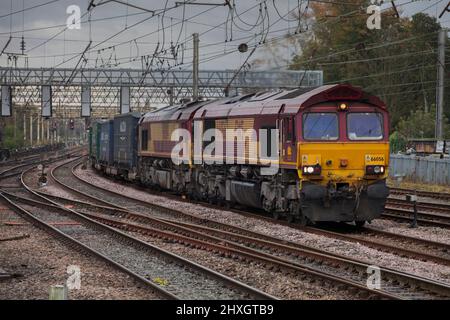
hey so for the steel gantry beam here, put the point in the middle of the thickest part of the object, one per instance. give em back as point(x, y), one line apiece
point(166, 78)
point(147, 89)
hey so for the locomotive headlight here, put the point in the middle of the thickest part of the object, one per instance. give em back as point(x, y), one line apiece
point(315, 170)
point(371, 170)
point(343, 107)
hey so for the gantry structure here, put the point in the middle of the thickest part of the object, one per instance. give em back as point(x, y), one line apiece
point(147, 88)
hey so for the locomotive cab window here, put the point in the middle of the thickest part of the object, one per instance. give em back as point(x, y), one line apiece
point(144, 140)
point(267, 149)
point(288, 129)
point(365, 126)
point(320, 126)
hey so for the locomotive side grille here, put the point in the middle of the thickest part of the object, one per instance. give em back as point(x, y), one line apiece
point(160, 138)
point(250, 145)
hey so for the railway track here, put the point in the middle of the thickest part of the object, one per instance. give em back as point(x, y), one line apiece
point(30, 155)
point(192, 238)
point(402, 245)
point(171, 275)
point(424, 250)
point(17, 169)
point(398, 213)
point(442, 208)
point(29, 158)
point(135, 217)
point(50, 227)
point(425, 194)
point(428, 213)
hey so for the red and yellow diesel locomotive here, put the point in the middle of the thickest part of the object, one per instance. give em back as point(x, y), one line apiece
point(332, 155)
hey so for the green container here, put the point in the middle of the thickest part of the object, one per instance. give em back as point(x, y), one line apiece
point(94, 140)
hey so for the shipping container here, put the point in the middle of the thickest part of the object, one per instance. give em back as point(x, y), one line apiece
point(125, 141)
point(106, 149)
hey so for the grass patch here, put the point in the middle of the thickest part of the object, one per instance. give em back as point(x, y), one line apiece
point(420, 186)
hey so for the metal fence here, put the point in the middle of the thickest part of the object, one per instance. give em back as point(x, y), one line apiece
point(420, 169)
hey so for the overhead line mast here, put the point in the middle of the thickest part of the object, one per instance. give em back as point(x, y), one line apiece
point(195, 68)
point(440, 83)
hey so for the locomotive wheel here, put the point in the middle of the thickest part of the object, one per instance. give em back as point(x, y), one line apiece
point(276, 215)
point(303, 221)
point(360, 224)
point(294, 212)
point(290, 218)
point(230, 205)
point(268, 206)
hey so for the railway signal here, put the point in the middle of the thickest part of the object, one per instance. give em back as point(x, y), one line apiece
point(42, 176)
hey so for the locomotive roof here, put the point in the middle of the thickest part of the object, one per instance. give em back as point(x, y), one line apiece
point(264, 103)
point(174, 112)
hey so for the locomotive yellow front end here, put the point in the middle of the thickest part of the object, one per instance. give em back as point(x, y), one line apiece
point(342, 161)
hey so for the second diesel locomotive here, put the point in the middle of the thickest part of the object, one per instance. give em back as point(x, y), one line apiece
point(331, 155)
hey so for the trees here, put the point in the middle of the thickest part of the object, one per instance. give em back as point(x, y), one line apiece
point(420, 124)
point(396, 63)
point(9, 140)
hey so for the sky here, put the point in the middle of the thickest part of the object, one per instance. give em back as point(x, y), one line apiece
point(121, 35)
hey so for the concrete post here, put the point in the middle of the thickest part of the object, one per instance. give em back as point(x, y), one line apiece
point(440, 84)
point(24, 126)
point(195, 68)
point(31, 128)
point(48, 131)
point(42, 131)
point(38, 129)
point(58, 292)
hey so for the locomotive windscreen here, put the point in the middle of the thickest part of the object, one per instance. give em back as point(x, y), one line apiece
point(365, 126)
point(320, 126)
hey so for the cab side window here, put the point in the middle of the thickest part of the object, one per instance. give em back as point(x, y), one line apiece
point(144, 140)
point(289, 129)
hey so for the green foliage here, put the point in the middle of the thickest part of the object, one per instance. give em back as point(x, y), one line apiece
point(9, 141)
point(396, 142)
point(421, 124)
point(396, 63)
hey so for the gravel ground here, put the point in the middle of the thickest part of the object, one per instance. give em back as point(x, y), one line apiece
point(31, 180)
point(181, 281)
point(177, 279)
point(253, 274)
point(427, 233)
point(285, 286)
point(42, 261)
point(354, 250)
